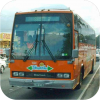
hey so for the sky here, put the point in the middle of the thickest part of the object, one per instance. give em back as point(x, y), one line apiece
point(86, 9)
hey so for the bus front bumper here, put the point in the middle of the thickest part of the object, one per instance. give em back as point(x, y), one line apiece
point(57, 84)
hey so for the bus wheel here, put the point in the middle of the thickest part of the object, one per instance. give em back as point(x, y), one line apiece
point(80, 80)
point(92, 70)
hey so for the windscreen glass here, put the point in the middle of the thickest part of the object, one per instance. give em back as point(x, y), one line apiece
point(31, 29)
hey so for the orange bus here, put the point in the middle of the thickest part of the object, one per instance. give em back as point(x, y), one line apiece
point(51, 49)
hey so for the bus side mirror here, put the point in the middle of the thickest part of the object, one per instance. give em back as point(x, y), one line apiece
point(75, 53)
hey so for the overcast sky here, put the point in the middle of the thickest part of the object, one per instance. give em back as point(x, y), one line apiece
point(85, 9)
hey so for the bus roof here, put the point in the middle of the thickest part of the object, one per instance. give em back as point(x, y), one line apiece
point(49, 8)
point(45, 11)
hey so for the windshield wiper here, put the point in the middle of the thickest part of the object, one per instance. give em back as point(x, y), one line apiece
point(27, 55)
point(50, 53)
point(45, 45)
point(36, 41)
point(34, 47)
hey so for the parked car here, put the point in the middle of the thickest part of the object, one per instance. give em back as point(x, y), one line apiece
point(97, 55)
point(3, 65)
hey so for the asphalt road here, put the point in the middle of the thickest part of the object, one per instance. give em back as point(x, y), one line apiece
point(23, 93)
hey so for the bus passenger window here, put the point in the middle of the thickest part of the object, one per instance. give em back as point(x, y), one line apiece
point(81, 38)
point(76, 40)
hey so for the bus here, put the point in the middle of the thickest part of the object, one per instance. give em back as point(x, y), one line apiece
point(52, 49)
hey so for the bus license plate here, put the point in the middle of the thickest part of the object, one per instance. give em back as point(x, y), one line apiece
point(38, 85)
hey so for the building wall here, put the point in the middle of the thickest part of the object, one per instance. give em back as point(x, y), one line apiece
point(5, 39)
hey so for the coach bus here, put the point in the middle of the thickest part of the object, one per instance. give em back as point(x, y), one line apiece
point(52, 49)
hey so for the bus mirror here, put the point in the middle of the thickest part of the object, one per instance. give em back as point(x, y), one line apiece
point(75, 53)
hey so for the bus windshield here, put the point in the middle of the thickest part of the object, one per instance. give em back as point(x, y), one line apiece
point(31, 29)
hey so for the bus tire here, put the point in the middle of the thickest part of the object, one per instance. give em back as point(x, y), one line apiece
point(80, 80)
point(92, 70)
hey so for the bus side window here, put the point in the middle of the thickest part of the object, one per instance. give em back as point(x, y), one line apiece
point(76, 40)
point(81, 38)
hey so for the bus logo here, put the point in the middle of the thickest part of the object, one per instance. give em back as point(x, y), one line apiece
point(43, 67)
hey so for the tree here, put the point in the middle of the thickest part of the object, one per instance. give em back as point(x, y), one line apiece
point(98, 41)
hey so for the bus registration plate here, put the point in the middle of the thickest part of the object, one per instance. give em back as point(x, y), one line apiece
point(38, 85)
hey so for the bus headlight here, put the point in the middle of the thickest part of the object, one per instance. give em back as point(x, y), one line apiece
point(18, 74)
point(67, 75)
point(60, 75)
point(21, 73)
point(15, 73)
point(64, 75)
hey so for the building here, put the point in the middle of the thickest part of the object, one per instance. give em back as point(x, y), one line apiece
point(5, 39)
